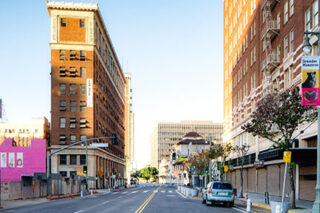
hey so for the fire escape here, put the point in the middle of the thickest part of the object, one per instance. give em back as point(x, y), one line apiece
point(270, 30)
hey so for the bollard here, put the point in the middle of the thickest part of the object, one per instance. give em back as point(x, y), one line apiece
point(91, 192)
point(246, 196)
point(249, 205)
point(278, 209)
point(266, 198)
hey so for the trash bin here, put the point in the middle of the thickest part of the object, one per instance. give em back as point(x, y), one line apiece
point(275, 209)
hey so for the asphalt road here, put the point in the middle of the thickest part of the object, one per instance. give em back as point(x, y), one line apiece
point(144, 198)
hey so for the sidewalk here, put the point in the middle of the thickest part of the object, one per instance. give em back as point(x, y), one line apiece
point(259, 201)
point(17, 203)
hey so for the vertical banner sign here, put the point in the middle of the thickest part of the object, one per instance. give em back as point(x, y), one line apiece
point(310, 80)
point(89, 92)
point(0, 108)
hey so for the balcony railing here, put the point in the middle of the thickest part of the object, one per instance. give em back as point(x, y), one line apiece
point(268, 4)
point(270, 29)
point(271, 62)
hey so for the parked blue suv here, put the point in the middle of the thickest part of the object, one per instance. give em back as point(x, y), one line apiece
point(219, 192)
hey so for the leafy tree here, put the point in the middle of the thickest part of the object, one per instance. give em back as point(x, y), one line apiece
point(200, 161)
point(284, 112)
point(147, 173)
point(220, 151)
point(241, 151)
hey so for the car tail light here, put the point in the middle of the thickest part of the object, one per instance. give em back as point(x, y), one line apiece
point(210, 192)
point(233, 192)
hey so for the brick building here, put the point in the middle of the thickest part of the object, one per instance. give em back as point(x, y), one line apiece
point(87, 93)
point(262, 52)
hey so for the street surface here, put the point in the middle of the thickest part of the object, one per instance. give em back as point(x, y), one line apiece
point(147, 198)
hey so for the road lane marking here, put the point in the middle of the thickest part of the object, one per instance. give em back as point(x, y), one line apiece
point(120, 197)
point(163, 191)
point(170, 195)
point(145, 203)
point(79, 211)
point(133, 192)
point(124, 192)
point(145, 191)
point(106, 202)
point(170, 191)
point(181, 194)
point(239, 210)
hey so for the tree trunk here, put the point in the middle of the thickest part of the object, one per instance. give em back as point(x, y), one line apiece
point(292, 191)
point(241, 180)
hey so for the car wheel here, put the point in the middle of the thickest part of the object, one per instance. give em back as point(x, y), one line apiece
point(203, 201)
point(232, 204)
point(208, 203)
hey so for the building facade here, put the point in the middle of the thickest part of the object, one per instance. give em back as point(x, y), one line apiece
point(23, 133)
point(129, 127)
point(167, 134)
point(262, 53)
point(87, 93)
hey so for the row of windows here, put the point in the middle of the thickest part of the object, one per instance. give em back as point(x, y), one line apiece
point(72, 55)
point(63, 22)
point(72, 89)
point(73, 139)
point(73, 160)
point(73, 123)
point(18, 131)
point(312, 16)
point(72, 72)
point(73, 106)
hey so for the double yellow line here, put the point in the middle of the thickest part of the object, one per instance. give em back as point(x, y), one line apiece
point(145, 203)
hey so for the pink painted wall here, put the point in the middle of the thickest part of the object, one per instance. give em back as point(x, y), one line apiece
point(34, 159)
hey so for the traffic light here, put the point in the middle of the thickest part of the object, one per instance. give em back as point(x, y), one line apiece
point(85, 169)
point(114, 139)
point(174, 156)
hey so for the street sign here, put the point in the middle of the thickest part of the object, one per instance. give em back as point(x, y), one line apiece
point(182, 159)
point(287, 156)
point(310, 80)
point(225, 168)
point(100, 144)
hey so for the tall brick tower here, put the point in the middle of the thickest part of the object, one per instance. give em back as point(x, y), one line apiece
point(87, 94)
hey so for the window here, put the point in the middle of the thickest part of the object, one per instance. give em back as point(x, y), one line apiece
point(285, 12)
point(254, 28)
point(63, 22)
point(73, 55)
point(73, 72)
point(83, 106)
point(278, 52)
point(62, 123)
point(62, 139)
point(82, 72)
point(73, 159)
point(278, 20)
point(73, 123)
point(83, 123)
point(291, 7)
point(63, 173)
point(62, 89)
point(307, 20)
point(63, 105)
point(81, 23)
point(73, 106)
point(287, 77)
point(73, 89)
point(62, 71)
point(82, 55)
point(83, 137)
point(82, 89)
point(62, 55)
point(73, 174)
point(291, 41)
point(63, 159)
point(82, 159)
point(73, 139)
point(286, 46)
point(315, 12)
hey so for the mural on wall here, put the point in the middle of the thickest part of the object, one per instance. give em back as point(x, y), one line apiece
point(16, 161)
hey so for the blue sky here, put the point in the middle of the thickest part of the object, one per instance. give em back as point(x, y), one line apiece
point(173, 48)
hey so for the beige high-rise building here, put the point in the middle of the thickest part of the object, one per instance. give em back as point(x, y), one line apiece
point(167, 134)
point(129, 129)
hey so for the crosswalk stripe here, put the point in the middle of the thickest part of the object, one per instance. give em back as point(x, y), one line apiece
point(163, 191)
point(124, 192)
point(145, 191)
point(155, 191)
point(170, 191)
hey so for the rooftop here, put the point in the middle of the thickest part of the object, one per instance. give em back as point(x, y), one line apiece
point(72, 6)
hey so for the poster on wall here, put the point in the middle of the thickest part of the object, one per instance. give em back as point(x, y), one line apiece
point(3, 159)
point(11, 160)
point(19, 160)
point(310, 80)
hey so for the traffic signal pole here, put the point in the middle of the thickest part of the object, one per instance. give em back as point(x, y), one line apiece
point(113, 137)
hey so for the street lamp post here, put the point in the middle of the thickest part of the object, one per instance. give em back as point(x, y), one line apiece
point(307, 48)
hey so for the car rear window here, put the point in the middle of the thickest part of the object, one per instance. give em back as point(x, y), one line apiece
point(221, 186)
